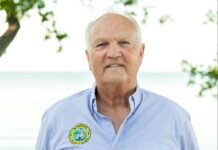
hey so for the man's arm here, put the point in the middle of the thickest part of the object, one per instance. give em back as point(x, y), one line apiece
point(188, 139)
point(44, 134)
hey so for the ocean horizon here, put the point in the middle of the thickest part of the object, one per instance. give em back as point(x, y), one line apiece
point(25, 96)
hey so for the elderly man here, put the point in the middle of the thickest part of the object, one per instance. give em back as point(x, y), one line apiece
point(115, 114)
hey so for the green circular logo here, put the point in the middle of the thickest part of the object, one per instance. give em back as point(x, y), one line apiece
point(79, 134)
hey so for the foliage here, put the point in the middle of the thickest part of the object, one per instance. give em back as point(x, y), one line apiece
point(164, 19)
point(21, 8)
point(205, 77)
point(211, 17)
point(128, 2)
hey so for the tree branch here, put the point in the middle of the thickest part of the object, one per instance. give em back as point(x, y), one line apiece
point(10, 33)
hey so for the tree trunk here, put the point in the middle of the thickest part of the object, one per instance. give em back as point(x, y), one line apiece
point(10, 33)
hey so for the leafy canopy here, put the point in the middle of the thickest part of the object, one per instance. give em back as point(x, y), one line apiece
point(21, 8)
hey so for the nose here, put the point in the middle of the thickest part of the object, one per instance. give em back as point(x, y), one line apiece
point(113, 51)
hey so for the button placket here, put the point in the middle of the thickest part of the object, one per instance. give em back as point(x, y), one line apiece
point(108, 128)
point(116, 147)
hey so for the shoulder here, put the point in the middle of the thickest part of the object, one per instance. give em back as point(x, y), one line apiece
point(164, 104)
point(71, 102)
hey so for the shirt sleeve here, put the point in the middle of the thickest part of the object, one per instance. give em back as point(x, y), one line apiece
point(44, 133)
point(188, 139)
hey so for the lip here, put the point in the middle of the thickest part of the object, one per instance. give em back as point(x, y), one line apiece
point(114, 65)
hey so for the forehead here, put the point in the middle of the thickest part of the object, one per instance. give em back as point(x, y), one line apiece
point(113, 19)
point(112, 25)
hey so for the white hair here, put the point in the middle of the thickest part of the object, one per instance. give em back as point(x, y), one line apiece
point(95, 19)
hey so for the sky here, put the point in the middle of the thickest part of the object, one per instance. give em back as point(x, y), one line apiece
point(185, 37)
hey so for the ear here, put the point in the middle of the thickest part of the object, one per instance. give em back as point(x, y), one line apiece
point(88, 58)
point(142, 49)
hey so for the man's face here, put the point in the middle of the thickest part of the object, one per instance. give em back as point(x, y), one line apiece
point(114, 54)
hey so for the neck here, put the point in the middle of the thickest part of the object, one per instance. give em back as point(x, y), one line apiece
point(112, 101)
point(114, 96)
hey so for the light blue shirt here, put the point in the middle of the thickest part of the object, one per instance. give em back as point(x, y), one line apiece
point(154, 123)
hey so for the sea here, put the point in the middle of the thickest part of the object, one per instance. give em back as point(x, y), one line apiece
point(24, 97)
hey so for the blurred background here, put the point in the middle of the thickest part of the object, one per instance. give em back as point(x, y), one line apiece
point(42, 49)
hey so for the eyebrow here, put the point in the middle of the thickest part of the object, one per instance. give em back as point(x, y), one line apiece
point(97, 40)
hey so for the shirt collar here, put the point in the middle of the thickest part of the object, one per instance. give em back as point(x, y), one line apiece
point(134, 100)
point(92, 100)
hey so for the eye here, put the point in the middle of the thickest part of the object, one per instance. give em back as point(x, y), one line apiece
point(102, 44)
point(124, 42)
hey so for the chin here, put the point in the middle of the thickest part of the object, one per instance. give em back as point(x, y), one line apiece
point(116, 80)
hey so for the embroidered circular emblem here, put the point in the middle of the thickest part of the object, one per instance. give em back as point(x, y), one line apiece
point(79, 134)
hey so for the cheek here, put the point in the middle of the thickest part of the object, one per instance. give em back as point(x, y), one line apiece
point(96, 61)
point(133, 61)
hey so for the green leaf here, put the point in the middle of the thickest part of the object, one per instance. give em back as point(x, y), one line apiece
point(164, 19)
point(129, 2)
point(61, 36)
point(59, 49)
point(40, 4)
point(47, 36)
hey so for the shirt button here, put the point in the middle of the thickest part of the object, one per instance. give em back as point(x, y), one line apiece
point(107, 123)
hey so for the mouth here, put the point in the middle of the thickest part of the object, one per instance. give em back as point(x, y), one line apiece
point(114, 66)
